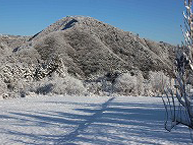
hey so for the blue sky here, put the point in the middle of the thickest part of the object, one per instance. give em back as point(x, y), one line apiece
point(158, 20)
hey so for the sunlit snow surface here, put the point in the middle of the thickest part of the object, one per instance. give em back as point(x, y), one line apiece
point(86, 120)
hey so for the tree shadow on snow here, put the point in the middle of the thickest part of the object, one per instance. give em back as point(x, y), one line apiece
point(107, 123)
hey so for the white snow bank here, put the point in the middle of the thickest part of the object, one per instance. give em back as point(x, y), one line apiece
point(86, 120)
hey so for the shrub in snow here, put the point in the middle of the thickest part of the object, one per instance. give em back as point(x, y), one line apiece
point(126, 85)
point(158, 81)
point(44, 89)
point(69, 85)
point(179, 104)
point(129, 84)
point(94, 87)
point(140, 83)
point(57, 85)
point(116, 82)
point(3, 88)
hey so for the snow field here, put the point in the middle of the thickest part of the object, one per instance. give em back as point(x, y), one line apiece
point(86, 120)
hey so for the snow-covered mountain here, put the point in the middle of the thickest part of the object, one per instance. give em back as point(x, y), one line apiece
point(86, 50)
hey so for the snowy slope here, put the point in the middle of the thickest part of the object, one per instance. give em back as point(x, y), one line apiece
point(86, 120)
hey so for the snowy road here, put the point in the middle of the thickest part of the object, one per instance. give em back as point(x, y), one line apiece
point(86, 120)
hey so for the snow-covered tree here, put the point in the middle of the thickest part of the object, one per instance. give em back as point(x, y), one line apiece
point(179, 102)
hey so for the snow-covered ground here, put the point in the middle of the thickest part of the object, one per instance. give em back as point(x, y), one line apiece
point(86, 120)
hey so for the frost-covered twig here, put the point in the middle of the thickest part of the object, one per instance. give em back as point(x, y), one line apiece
point(183, 113)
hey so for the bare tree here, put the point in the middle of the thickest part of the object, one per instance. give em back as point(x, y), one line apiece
point(179, 102)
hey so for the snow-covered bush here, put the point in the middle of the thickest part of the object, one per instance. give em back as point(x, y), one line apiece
point(158, 81)
point(126, 84)
point(140, 83)
point(179, 104)
point(95, 88)
point(57, 85)
point(129, 84)
point(69, 85)
point(3, 88)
